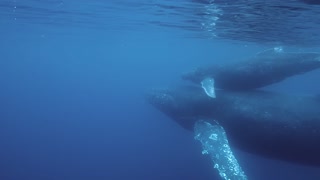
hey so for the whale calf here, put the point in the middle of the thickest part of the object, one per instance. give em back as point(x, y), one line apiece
point(263, 69)
point(280, 126)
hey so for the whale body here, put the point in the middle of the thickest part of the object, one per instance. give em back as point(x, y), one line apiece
point(263, 69)
point(280, 126)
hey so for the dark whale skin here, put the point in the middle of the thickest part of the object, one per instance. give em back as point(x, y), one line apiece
point(261, 70)
point(285, 127)
point(313, 2)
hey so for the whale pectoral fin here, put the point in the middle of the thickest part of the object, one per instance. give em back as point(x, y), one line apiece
point(215, 143)
point(208, 85)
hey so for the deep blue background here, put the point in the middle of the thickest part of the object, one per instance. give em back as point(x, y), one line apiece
point(72, 105)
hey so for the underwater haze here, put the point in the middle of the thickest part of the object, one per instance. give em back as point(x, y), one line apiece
point(74, 74)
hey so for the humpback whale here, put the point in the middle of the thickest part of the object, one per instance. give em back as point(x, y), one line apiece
point(280, 126)
point(263, 69)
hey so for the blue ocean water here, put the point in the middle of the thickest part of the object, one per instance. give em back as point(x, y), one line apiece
point(73, 78)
